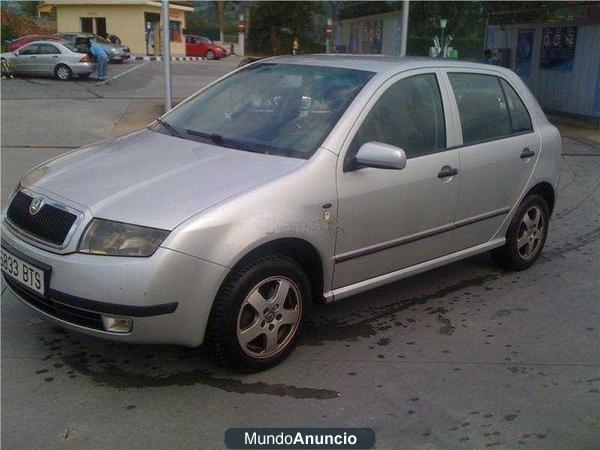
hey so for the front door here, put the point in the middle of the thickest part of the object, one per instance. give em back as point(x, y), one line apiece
point(499, 152)
point(392, 219)
point(26, 59)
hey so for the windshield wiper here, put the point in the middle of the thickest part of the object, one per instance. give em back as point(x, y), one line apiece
point(169, 127)
point(215, 138)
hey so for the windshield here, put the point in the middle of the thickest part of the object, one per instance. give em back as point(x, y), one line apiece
point(100, 39)
point(284, 109)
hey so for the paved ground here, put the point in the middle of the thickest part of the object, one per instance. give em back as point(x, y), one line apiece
point(467, 356)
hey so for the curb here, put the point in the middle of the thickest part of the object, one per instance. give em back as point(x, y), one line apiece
point(173, 58)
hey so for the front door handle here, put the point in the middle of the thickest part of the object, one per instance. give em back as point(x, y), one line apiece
point(447, 171)
point(526, 153)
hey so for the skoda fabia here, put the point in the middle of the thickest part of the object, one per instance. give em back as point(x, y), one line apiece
point(290, 181)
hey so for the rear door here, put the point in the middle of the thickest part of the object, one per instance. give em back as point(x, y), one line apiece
point(193, 46)
point(48, 58)
point(498, 152)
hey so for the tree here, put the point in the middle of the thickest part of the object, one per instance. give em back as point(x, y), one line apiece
point(221, 5)
point(276, 24)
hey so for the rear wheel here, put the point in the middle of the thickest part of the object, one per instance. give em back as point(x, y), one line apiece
point(210, 54)
point(526, 235)
point(63, 72)
point(259, 312)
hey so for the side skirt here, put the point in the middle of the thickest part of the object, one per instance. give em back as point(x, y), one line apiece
point(361, 286)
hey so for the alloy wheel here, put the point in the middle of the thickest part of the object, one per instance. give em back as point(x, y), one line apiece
point(63, 73)
point(269, 317)
point(531, 233)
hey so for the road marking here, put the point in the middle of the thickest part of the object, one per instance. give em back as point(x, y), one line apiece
point(122, 73)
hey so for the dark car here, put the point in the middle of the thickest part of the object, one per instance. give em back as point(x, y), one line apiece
point(116, 52)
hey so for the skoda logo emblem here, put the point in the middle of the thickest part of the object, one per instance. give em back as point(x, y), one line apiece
point(36, 205)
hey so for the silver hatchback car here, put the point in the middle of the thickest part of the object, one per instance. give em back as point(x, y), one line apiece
point(290, 181)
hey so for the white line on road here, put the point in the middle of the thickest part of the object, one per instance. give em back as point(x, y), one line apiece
point(122, 73)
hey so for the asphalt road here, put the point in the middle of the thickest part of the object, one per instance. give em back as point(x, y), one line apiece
point(466, 356)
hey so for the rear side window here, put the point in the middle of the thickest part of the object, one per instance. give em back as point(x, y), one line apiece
point(482, 107)
point(48, 49)
point(409, 115)
point(519, 116)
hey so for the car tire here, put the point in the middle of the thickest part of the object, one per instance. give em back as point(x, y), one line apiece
point(63, 72)
point(258, 314)
point(210, 55)
point(526, 235)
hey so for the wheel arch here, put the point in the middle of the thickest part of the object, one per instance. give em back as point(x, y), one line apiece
point(300, 250)
point(546, 191)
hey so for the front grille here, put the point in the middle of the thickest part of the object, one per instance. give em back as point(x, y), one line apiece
point(55, 309)
point(50, 224)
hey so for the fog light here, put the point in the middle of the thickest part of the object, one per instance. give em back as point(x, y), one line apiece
point(117, 324)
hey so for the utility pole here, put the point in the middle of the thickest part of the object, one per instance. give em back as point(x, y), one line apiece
point(166, 38)
point(404, 40)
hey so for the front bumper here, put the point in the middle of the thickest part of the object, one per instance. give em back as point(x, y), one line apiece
point(168, 295)
point(120, 57)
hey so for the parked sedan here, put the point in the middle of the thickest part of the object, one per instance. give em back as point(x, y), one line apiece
point(116, 52)
point(290, 181)
point(50, 58)
point(204, 47)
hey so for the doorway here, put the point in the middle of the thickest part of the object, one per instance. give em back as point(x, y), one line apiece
point(152, 24)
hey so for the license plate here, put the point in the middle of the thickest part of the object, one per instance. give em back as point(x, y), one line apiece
point(21, 271)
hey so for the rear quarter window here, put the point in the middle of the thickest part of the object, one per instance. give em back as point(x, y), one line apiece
point(519, 116)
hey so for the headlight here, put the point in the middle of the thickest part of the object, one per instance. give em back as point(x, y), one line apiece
point(104, 237)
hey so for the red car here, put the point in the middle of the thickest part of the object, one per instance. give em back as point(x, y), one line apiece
point(16, 44)
point(202, 46)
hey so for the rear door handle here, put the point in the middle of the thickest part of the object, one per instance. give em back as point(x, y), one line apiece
point(447, 171)
point(526, 153)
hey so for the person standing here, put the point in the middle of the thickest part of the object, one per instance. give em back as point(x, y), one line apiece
point(101, 60)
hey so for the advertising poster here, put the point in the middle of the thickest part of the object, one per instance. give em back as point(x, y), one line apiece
point(558, 48)
point(524, 51)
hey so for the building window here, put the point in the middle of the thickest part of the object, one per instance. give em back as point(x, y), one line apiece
point(175, 30)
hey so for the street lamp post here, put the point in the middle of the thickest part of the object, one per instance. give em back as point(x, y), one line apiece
point(164, 16)
point(404, 40)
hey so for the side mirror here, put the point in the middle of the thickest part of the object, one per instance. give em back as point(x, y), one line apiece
point(381, 156)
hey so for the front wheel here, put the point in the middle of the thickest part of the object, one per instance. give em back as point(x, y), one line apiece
point(210, 54)
point(526, 235)
point(63, 72)
point(259, 312)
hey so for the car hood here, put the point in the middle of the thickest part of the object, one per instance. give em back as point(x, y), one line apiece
point(148, 178)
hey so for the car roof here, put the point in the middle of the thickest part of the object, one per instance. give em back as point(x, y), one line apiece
point(44, 41)
point(378, 63)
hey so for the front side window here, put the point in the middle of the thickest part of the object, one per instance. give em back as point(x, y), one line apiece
point(409, 115)
point(285, 109)
point(30, 50)
point(482, 107)
point(519, 116)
